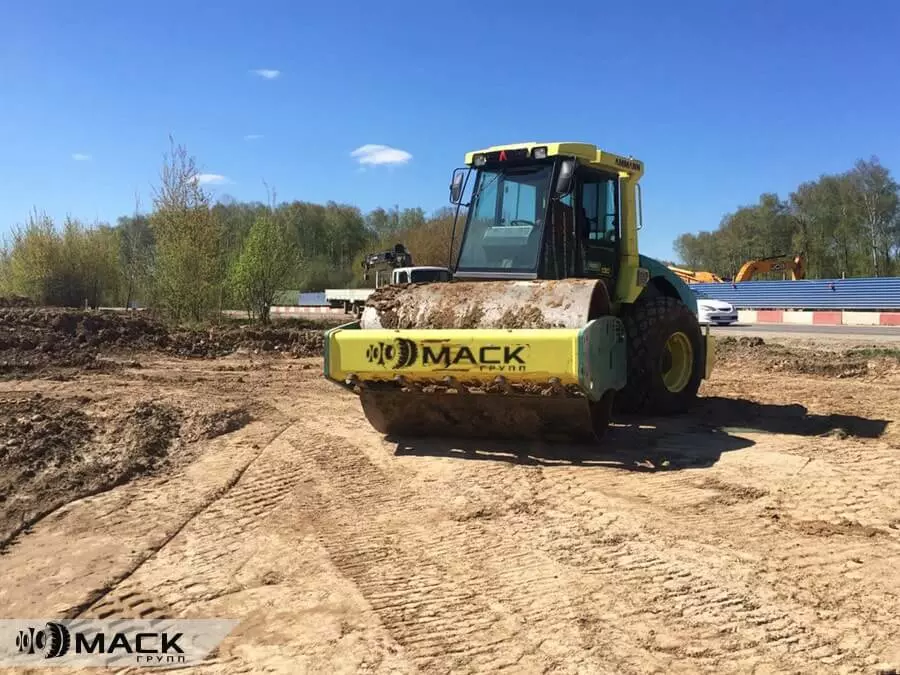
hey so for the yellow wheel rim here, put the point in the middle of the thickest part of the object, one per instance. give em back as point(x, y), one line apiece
point(678, 362)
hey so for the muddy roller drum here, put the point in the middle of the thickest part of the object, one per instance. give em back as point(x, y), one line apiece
point(493, 359)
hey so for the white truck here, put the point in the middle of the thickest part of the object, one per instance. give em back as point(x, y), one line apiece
point(400, 270)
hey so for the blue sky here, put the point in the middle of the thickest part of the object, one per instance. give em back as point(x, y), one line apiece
point(721, 99)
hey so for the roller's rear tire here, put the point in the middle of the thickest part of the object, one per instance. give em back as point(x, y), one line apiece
point(665, 358)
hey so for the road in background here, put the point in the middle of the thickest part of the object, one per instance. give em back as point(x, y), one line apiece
point(782, 330)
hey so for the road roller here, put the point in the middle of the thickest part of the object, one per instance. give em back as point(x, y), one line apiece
point(552, 321)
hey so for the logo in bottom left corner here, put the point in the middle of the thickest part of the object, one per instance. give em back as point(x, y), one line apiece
point(52, 641)
point(111, 642)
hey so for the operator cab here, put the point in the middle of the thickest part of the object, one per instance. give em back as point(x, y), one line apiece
point(420, 274)
point(548, 218)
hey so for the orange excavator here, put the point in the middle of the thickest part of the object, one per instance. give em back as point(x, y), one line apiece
point(778, 263)
point(692, 277)
point(750, 269)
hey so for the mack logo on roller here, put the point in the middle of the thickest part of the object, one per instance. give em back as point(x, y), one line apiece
point(488, 357)
point(404, 353)
point(400, 353)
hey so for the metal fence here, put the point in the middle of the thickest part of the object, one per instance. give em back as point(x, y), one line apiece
point(859, 293)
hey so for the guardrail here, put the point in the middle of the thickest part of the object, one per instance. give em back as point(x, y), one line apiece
point(878, 294)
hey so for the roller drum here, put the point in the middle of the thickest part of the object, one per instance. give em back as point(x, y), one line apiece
point(510, 410)
point(567, 303)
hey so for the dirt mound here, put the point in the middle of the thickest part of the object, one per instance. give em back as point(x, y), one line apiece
point(212, 425)
point(225, 340)
point(14, 301)
point(32, 340)
point(772, 357)
point(35, 341)
point(52, 452)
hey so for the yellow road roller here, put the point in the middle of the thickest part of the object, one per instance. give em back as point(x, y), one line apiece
point(551, 322)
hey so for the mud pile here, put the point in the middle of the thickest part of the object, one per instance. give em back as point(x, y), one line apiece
point(35, 340)
point(221, 341)
point(53, 451)
point(773, 357)
point(14, 301)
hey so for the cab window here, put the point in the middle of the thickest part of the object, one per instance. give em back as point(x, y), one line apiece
point(599, 205)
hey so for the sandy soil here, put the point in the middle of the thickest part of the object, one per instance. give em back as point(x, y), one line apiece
point(758, 535)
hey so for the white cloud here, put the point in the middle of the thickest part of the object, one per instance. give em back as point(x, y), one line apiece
point(81, 157)
point(211, 179)
point(267, 73)
point(252, 137)
point(380, 154)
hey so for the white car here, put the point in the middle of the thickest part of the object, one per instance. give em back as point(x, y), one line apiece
point(718, 312)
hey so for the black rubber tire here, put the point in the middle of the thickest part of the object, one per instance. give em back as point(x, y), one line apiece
point(648, 324)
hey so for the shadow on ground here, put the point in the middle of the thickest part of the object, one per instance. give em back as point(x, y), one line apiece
point(691, 441)
point(795, 420)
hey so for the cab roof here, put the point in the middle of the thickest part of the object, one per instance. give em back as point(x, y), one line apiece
point(585, 152)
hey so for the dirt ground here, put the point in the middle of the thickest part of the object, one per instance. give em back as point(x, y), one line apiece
point(759, 534)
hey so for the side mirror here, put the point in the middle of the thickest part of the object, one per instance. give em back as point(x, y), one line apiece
point(566, 178)
point(456, 186)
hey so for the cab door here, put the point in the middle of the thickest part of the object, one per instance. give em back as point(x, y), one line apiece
point(597, 225)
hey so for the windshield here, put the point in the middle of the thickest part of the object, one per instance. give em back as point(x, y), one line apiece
point(428, 275)
point(506, 219)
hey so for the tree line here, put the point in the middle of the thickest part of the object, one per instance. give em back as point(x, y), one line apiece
point(845, 225)
point(190, 257)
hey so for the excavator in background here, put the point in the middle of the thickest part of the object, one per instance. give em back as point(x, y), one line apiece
point(749, 269)
point(394, 266)
point(399, 262)
point(390, 259)
point(551, 317)
point(692, 277)
point(777, 263)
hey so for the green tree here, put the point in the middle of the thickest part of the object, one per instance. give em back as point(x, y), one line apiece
point(845, 224)
point(71, 267)
point(875, 199)
point(189, 274)
point(266, 260)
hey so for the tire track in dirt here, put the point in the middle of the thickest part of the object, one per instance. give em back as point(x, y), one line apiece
point(678, 592)
point(208, 560)
point(124, 597)
point(458, 595)
point(206, 546)
point(634, 568)
point(710, 612)
point(116, 531)
point(763, 590)
point(768, 561)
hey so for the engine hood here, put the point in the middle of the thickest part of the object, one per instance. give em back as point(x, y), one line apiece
point(714, 305)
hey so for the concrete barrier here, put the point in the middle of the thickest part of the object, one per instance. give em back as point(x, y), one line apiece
point(291, 310)
point(819, 318)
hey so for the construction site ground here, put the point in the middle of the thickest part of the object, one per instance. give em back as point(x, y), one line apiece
point(217, 475)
